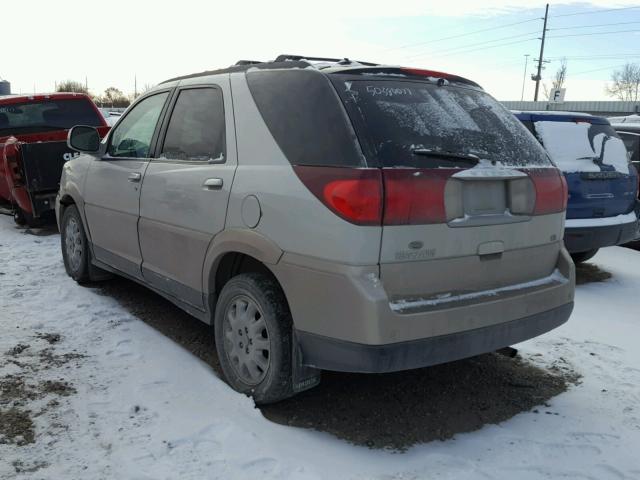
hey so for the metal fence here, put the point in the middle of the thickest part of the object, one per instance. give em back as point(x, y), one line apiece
point(595, 108)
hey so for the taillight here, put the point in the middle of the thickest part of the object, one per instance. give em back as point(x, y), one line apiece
point(354, 194)
point(415, 196)
point(551, 190)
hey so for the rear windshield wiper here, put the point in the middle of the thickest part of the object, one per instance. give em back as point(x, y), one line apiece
point(466, 157)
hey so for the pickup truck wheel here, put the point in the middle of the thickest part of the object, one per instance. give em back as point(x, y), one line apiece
point(24, 218)
point(580, 257)
point(75, 251)
point(253, 335)
point(18, 216)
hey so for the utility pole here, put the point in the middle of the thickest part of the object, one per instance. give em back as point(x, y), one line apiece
point(537, 78)
point(526, 59)
point(135, 87)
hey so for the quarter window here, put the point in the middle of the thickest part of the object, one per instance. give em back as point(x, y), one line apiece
point(132, 136)
point(196, 131)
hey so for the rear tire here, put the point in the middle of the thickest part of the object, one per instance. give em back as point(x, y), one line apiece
point(253, 335)
point(580, 257)
point(75, 247)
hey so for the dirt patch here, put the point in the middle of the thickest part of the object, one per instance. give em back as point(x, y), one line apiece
point(16, 427)
point(49, 358)
point(588, 273)
point(57, 387)
point(21, 395)
point(22, 467)
point(18, 349)
point(391, 411)
point(51, 338)
point(15, 391)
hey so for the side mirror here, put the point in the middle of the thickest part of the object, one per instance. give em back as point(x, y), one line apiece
point(84, 139)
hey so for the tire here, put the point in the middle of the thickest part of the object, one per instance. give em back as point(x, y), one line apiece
point(75, 247)
point(580, 257)
point(19, 217)
point(23, 218)
point(262, 373)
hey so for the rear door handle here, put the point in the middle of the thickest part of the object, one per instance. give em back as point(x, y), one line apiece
point(213, 183)
point(135, 177)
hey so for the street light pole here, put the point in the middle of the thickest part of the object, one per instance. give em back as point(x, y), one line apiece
point(526, 59)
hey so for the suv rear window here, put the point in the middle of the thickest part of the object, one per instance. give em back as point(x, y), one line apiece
point(581, 145)
point(49, 115)
point(398, 121)
point(304, 115)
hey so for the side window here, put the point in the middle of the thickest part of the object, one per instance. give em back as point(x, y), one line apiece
point(132, 137)
point(631, 141)
point(196, 130)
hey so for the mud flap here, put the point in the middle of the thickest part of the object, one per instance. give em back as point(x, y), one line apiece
point(303, 377)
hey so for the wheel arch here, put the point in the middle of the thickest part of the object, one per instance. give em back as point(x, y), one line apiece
point(237, 251)
point(72, 197)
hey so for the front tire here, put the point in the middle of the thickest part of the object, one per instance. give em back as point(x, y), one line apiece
point(253, 335)
point(580, 257)
point(75, 247)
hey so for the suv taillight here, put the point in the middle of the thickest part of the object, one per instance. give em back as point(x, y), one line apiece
point(354, 194)
point(551, 190)
point(410, 196)
point(415, 196)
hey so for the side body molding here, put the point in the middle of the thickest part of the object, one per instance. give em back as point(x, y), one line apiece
point(239, 240)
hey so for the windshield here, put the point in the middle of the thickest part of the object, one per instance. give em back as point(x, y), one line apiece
point(49, 114)
point(582, 146)
point(407, 123)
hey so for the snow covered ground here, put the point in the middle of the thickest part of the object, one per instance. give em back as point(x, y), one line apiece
point(132, 404)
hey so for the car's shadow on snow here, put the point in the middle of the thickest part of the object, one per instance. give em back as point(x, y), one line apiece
point(589, 273)
point(391, 411)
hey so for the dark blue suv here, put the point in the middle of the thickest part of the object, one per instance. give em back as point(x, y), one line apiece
point(603, 186)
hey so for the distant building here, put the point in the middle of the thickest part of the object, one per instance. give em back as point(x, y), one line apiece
point(603, 109)
point(5, 87)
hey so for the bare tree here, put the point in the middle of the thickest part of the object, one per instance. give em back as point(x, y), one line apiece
point(558, 79)
point(561, 74)
point(625, 83)
point(71, 86)
point(113, 97)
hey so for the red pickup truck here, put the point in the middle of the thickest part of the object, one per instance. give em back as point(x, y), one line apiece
point(33, 148)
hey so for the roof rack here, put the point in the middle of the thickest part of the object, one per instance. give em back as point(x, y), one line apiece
point(340, 61)
point(248, 62)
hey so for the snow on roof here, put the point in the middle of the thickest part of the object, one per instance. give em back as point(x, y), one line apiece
point(625, 119)
point(552, 112)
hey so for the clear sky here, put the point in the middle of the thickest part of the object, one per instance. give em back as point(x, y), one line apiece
point(110, 43)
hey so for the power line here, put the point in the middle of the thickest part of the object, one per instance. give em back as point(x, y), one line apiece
point(483, 48)
point(594, 59)
point(595, 11)
point(594, 33)
point(598, 69)
point(465, 34)
point(589, 57)
point(593, 26)
point(473, 44)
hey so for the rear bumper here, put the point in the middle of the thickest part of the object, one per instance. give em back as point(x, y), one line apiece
point(331, 354)
point(342, 313)
point(585, 238)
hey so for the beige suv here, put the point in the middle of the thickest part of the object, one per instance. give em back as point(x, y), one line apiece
point(325, 214)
